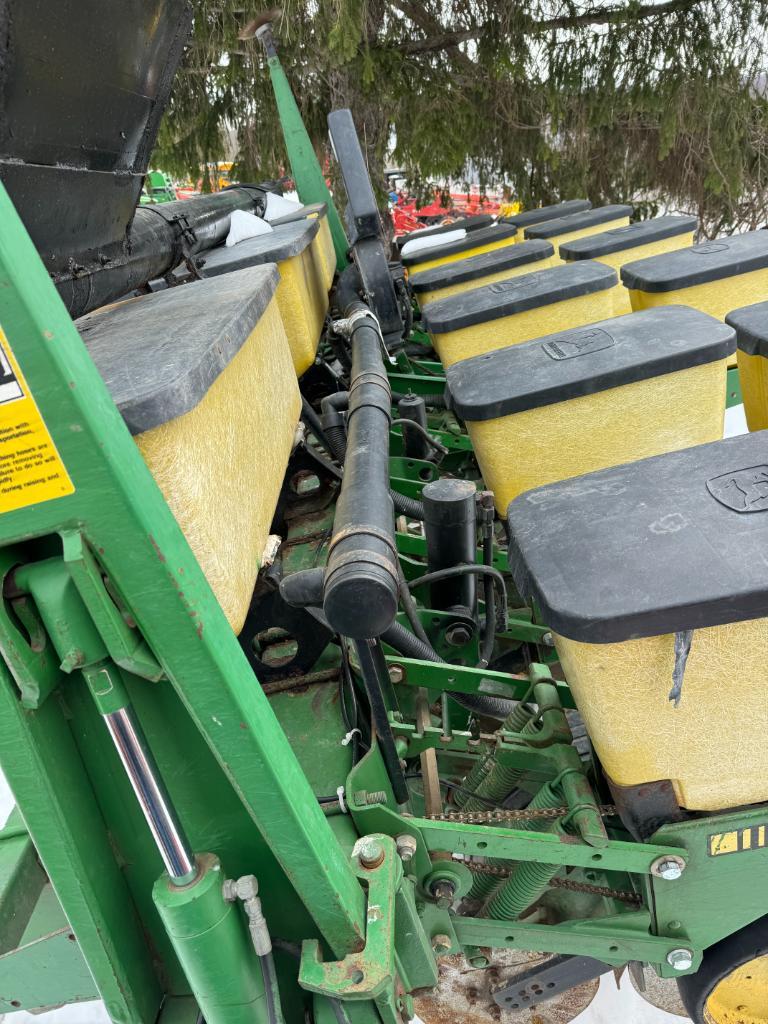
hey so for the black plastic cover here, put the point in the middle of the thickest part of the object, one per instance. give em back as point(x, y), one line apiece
point(159, 354)
point(700, 264)
point(645, 232)
point(282, 243)
point(668, 544)
point(318, 210)
point(518, 294)
point(473, 240)
point(473, 267)
point(526, 218)
point(578, 221)
point(751, 325)
point(480, 220)
point(585, 360)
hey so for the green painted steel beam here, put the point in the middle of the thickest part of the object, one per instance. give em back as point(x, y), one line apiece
point(47, 967)
point(122, 515)
point(540, 847)
point(305, 167)
point(615, 939)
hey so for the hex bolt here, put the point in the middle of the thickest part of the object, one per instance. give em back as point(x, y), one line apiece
point(396, 674)
point(680, 959)
point(406, 846)
point(443, 892)
point(669, 868)
point(548, 640)
point(458, 635)
point(370, 852)
point(441, 944)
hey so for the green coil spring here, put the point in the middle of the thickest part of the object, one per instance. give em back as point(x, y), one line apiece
point(529, 880)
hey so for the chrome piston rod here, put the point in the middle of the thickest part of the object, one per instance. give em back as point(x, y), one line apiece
point(150, 791)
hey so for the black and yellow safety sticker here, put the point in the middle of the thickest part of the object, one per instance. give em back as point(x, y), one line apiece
point(31, 469)
point(753, 838)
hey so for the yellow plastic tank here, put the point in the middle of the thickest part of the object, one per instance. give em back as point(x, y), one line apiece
point(580, 400)
point(516, 310)
point(714, 277)
point(323, 253)
point(751, 326)
point(477, 271)
point(470, 243)
point(527, 218)
point(580, 225)
point(634, 242)
point(203, 377)
point(652, 579)
point(301, 295)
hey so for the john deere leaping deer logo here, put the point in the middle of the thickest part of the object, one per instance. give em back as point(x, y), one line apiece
point(746, 490)
point(571, 344)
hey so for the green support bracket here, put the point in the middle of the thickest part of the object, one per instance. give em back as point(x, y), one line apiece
point(733, 388)
point(373, 972)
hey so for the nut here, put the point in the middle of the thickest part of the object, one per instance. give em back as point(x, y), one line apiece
point(406, 846)
point(369, 851)
point(396, 674)
point(669, 868)
point(443, 892)
point(441, 944)
point(458, 635)
point(680, 959)
point(548, 640)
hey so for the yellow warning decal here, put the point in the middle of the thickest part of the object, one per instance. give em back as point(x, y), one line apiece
point(31, 469)
point(741, 839)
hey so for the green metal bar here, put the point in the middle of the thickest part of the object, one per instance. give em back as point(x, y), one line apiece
point(616, 939)
point(733, 388)
point(436, 676)
point(542, 847)
point(124, 518)
point(305, 167)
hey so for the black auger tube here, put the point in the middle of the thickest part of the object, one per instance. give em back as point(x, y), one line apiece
point(360, 595)
point(154, 245)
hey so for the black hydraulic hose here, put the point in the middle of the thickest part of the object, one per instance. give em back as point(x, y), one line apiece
point(436, 401)
point(373, 669)
point(271, 990)
point(312, 420)
point(475, 570)
point(410, 609)
point(410, 646)
point(489, 628)
point(405, 506)
point(360, 594)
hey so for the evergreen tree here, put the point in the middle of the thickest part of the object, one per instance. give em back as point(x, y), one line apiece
point(661, 104)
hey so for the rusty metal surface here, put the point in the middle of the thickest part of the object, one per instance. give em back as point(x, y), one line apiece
point(464, 993)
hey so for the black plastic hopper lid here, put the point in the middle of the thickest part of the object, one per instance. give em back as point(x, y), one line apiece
point(518, 294)
point(159, 354)
point(645, 232)
point(585, 360)
point(472, 240)
point(318, 210)
point(474, 267)
point(527, 217)
point(668, 544)
point(751, 324)
point(285, 241)
point(700, 264)
point(578, 221)
point(481, 220)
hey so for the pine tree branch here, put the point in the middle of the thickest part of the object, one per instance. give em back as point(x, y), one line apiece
point(594, 16)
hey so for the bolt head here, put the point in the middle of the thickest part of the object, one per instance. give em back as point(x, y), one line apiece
point(443, 892)
point(458, 635)
point(548, 640)
point(441, 944)
point(369, 852)
point(668, 868)
point(680, 959)
point(396, 673)
point(406, 846)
